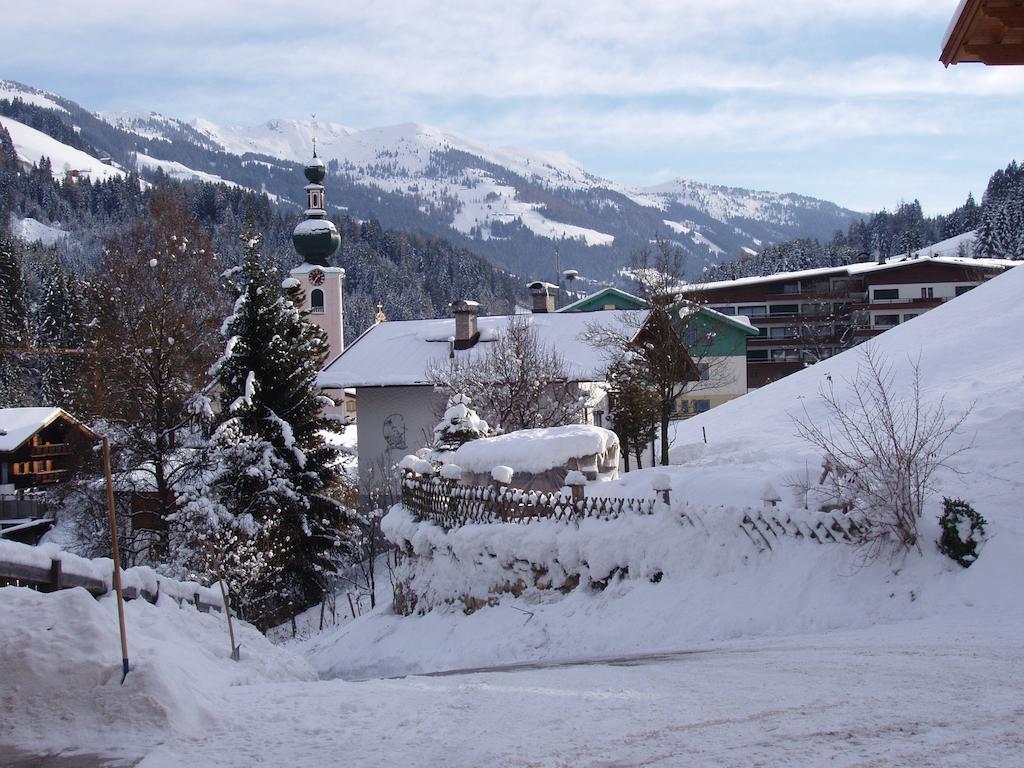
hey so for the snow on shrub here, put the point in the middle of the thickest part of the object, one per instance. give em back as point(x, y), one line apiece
point(963, 531)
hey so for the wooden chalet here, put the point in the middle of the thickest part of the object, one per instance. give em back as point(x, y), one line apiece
point(987, 32)
point(38, 447)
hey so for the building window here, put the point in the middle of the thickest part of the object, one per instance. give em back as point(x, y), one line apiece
point(960, 290)
point(909, 317)
point(705, 372)
point(757, 355)
point(784, 309)
point(699, 406)
point(598, 418)
point(725, 310)
point(782, 332)
point(350, 406)
point(753, 311)
point(684, 407)
point(886, 294)
point(928, 293)
point(885, 321)
point(316, 301)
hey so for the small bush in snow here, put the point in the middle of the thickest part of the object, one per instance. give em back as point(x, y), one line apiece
point(963, 531)
point(883, 446)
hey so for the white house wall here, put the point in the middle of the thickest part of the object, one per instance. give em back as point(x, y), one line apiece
point(393, 422)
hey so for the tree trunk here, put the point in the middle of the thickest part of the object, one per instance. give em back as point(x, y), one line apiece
point(666, 415)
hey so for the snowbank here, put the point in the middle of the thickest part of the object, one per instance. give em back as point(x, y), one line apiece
point(60, 657)
point(673, 587)
point(535, 450)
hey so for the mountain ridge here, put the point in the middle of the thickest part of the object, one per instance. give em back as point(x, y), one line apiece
point(514, 206)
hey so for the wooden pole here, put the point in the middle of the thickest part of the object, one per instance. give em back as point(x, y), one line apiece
point(231, 628)
point(117, 558)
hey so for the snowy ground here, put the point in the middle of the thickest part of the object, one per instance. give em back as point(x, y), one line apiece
point(923, 693)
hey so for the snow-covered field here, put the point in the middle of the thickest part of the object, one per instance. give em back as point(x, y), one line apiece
point(803, 656)
point(32, 145)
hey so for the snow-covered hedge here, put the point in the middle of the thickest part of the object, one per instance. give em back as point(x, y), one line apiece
point(470, 565)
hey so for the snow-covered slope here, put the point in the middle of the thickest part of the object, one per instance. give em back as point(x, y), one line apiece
point(178, 171)
point(11, 90)
point(32, 145)
point(714, 592)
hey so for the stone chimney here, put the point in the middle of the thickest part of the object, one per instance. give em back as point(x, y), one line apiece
point(544, 296)
point(466, 332)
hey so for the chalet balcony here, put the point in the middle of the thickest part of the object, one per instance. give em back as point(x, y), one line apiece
point(45, 477)
point(51, 449)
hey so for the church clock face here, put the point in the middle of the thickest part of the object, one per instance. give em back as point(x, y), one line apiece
point(316, 277)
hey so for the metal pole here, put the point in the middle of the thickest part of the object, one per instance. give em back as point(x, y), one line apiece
point(117, 559)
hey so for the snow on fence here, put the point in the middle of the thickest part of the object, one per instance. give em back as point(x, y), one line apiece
point(47, 568)
point(449, 504)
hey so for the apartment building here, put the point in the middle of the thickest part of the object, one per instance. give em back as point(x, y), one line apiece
point(806, 316)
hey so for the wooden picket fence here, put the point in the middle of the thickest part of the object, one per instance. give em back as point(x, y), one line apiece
point(452, 505)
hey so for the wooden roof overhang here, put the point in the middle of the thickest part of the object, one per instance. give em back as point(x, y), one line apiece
point(985, 31)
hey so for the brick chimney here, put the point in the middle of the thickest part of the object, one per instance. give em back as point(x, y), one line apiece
point(544, 296)
point(466, 332)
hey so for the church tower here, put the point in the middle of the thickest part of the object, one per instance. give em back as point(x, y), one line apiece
point(316, 239)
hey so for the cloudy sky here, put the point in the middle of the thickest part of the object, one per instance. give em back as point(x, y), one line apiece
point(841, 99)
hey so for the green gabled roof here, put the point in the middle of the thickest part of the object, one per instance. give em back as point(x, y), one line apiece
point(610, 295)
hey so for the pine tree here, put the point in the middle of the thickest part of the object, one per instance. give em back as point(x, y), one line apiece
point(59, 319)
point(271, 470)
point(459, 425)
point(13, 324)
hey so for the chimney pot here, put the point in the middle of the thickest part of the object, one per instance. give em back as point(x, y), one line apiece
point(466, 332)
point(544, 296)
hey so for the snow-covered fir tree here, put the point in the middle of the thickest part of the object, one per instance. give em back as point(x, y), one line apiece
point(13, 324)
point(459, 425)
point(59, 319)
point(263, 507)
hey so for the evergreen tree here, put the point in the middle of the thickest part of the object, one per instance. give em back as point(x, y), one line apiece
point(59, 319)
point(13, 324)
point(271, 470)
point(459, 425)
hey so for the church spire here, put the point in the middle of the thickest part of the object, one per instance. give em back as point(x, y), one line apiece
point(316, 238)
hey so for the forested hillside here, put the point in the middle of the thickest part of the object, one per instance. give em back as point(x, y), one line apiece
point(997, 224)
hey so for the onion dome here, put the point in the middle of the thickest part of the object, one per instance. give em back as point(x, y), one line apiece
point(315, 238)
point(315, 170)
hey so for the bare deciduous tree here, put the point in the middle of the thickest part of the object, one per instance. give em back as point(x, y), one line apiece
point(882, 449)
point(517, 383)
point(672, 354)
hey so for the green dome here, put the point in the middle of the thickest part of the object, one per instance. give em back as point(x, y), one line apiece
point(315, 170)
point(316, 240)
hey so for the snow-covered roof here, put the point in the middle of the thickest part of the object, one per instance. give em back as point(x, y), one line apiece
point(606, 291)
point(851, 270)
point(534, 450)
point(19, 424)
point(397, 353)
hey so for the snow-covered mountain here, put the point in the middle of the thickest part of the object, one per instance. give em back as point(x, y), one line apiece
point(512, 205)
